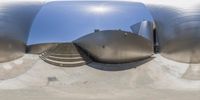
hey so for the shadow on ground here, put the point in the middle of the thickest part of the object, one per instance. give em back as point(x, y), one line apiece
point(118, 67)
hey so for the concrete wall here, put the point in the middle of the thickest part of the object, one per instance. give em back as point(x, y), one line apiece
point(40, 48)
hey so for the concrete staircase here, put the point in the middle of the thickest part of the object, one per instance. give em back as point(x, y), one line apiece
point(65, 55)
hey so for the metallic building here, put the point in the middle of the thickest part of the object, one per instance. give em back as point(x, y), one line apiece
point(178, 31)
point(103, 28)
point(111, 32)
point(144, 29)
point(116, 46)
point(66, 21)
point(15, 22)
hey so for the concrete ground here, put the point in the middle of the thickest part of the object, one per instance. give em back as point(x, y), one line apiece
point(152, 79)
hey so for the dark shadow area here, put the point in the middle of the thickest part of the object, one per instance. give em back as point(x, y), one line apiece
point(118, 67)
point(86, 56)
point(155, 42)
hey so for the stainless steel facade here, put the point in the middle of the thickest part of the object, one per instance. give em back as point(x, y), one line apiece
point(144, 29)
point(109, 23)
point(178, 31)
point(113, 40)
point(15, 21)
point(115, 46)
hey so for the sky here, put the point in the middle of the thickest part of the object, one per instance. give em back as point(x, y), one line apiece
point(57, 24)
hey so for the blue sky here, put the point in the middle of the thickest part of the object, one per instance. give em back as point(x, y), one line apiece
point(60, 22)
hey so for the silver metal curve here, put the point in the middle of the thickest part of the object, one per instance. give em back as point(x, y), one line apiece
point(144, 29)
point(112, 40)
point(115, 46)
point(178, 31)
point(15, 22)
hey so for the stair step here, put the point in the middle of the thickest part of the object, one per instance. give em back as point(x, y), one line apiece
point(66, 59)
point(65, 55)
point(64, 64)
point(63, 51)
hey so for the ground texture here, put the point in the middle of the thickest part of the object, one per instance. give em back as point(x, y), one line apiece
point(152, 79)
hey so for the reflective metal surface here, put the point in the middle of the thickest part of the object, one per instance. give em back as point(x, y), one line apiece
point(15, 21)
point(66, 21)
point(178, 31)
point(144, 29)
point(115, 46)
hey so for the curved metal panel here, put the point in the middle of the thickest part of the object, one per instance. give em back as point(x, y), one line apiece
point(75, 20)
point(144, 29)
point(65, 21)
point(178, 32)
point(115, 46)
point(15, 22)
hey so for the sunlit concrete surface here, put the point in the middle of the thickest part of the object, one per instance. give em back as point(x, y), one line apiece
point(153, 79)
